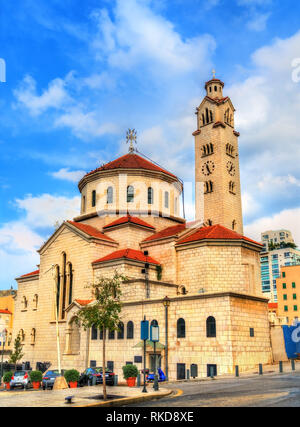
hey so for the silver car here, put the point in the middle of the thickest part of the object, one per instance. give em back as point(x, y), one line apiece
point(20, 379)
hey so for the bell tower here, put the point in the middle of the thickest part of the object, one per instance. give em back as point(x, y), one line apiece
point(217, 175)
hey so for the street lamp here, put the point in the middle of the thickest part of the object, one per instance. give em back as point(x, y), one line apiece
point(166, 303)
point(3, 334)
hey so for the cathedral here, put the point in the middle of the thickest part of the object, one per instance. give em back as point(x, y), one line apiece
point(198, 281)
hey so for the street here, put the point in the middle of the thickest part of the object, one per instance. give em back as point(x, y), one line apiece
point(271, 390)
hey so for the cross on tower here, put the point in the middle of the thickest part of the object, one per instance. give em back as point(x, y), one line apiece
point(214, 73)
point(131, 137)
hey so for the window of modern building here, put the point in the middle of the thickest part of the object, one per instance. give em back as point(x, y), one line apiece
point(284, 286)
point(121, 331)
point(252, 332)
point(93, 198)
point(286, 308)
point(130, 330)
point(294, 285)
point(94, 333)
point(285, 297)
point(211, 330)
point(180, 328)
point(130, 194)
point(283, 274)
point(150, 196)
point(294, 296)
point(110, 195)
point(295, 308)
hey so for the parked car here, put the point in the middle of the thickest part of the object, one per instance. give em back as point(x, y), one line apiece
point(109, 376)
point(86, 378)
point(20, 379)
point(50, 377)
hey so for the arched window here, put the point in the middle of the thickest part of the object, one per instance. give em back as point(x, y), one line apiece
point(216, 89)
point(35, 301)
point(166, 199)
point(203, 119)
point(211, 116)
point(207, 115)
point(70, 282)
point(110, 195)
point(32, 336)
point(94, 198)
point(57, 288)
point(64, 289)
point(233, 224)
point(211, 148)
point(154, 323)
point(101, 334)
point(211, 331)
point(83, 203)
point(22, 335)
point(150, 196)
point(24, 303)
point(121, 331)
point(130, 330)
point(130, 194)
point(94, 334)
point(180, 328)
point(111, 335)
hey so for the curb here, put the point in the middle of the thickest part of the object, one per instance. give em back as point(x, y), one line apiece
point(125, 400)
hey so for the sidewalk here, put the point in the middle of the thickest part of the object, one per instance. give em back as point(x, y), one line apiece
point(82, 397)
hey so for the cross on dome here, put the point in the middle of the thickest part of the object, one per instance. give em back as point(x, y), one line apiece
point(131, 137)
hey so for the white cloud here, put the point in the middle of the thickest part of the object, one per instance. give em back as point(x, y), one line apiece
point(258, 22)
point(16, 237)
point(287, 219)
point(55, 96)
point(249, 204)
point(46, 210)
point(137, 35)
point(66, 175)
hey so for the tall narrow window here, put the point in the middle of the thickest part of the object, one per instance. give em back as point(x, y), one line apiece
point(207, 115)
point(94, 333)
point(110, 195)
point(83, 203)
point(211, 331)
point(64, 289)
point(57, 288)
point(111, 335)
point(35, 301)
point(150, 196)
point(180, 328)
point(93, 198)
point(130, 330)
point(32, 336)
point(166, 199)
point(121, 331)
point(130, 194)
point(70, 283)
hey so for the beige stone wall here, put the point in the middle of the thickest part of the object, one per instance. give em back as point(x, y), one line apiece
point(128, 236)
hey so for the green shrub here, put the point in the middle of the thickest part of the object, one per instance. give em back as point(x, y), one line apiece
point(36, 376)
point(130, 371)
point(72, 376)
point(7, 377)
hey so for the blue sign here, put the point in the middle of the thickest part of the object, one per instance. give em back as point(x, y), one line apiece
point(144, 330)
point(154, 333)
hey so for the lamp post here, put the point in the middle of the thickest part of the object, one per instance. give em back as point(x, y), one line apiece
point(4, 333)
point(166, 303)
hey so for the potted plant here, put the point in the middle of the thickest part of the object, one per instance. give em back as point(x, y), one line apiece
point(7, 379)
point(130, 373)
point(36, 378)
point(72, 377)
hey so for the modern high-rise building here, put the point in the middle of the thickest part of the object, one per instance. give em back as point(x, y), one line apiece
point(275, 255)
point(288, 287)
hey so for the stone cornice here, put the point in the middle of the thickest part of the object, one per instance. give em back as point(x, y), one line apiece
point(116, 212)
point(218, 242)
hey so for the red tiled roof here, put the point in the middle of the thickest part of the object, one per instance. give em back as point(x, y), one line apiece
point(33, 273)
point(131, 161)
point(273, 305)
point(84, 302)
point(129, 219)
point(167, 232)
point(91, 231)
point(128, 254)
point(215, 232)
point(217, 100)
point(5, 312)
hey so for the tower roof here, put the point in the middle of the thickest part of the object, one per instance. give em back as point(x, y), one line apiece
point(214, 81)
point(131, 161)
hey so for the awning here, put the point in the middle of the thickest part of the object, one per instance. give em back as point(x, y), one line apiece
point(159, 346)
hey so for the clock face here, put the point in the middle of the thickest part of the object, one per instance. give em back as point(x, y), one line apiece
point(231, 168)
point(208, 168)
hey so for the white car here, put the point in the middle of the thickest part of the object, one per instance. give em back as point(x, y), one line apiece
point(20, 379)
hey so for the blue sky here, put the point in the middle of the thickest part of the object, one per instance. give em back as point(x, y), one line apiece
point(79, 74)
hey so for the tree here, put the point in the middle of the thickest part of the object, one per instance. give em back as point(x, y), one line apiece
point(104, 312)
point(17, 353)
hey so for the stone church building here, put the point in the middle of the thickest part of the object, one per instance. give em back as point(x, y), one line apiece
point(199, 281)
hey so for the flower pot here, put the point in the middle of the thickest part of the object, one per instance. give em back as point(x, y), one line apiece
point(7, 386)
point(36, 385)
point(73, 384)
point(131, 381)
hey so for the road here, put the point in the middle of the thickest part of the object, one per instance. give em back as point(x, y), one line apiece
point(271, 390)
